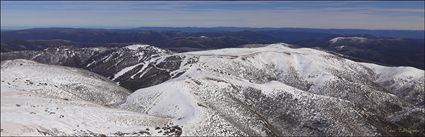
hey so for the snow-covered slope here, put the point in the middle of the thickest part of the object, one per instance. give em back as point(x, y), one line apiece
point(273, 90)
point(348, 39)
point(277, 90)
point(60, 82)
point(108, 62)
point(39, 99)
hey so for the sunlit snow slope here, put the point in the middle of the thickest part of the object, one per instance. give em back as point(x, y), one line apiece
point(38, 99)
point(277, 90)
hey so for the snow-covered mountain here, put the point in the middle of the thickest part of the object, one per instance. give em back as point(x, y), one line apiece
point(384, 51)
point(104, 61)
point(273, 90)
point(277, 90)
point(38, 99)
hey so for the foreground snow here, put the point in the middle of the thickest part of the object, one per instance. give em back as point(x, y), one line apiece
point(26, 114)
point(38, 99)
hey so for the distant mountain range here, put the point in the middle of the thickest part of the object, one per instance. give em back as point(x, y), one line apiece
point(405, 48)
point(415, 34)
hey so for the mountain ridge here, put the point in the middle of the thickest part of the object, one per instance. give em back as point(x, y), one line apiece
point(269, 90)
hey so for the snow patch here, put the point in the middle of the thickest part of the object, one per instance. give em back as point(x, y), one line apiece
point(136, 46)
point(356, 39)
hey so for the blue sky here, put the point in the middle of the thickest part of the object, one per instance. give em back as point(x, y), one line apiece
point(127, 14)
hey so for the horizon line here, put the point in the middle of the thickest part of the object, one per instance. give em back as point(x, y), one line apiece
point(210, 27)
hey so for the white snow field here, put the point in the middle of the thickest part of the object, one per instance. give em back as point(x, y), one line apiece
point(38, 99)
